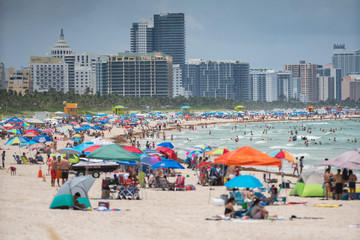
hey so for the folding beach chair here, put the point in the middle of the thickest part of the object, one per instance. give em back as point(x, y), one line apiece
point(126, 190)
point(180, 183)
point(17, 159)
point(239, 198)
point(161, 183)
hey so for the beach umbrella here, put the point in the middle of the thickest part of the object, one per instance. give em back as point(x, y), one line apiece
point(17, 140)
point(244, 181)
point(168, 164)
point(127, 163)
point(218, 151)
point(28, 143)
point(349, 159)
point(91, 148)
point(166, 144)
point(100, 141)
point(76, 135)
point(37, 146)
point(42, 139)
point(150, 151)
point(30, 134)
point(96, 128)
point(203, 164)
point(48, 130)
point(149, 159)
point(32, 131)
point(80, 129)
point(67, 151)
point(283, 155)
point(133, 149)
point(64, 197)
point(73, 122)
point(83, 146)
point(113, 152)
point(168, 152)
point(15, 131)
point(193, 153)
point(247, 156)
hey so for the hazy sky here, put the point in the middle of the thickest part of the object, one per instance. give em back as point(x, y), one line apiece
point(265, 33)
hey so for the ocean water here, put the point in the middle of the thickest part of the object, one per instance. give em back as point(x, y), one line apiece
point(276, 138)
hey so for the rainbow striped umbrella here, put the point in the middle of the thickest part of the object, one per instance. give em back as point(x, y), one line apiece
point(218, 151)
point(283, 155)
point(17, 140)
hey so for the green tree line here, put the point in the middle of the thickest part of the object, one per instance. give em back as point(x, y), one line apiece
point(12, 103)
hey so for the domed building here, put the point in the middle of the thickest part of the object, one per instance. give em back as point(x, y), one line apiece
point(61, 48)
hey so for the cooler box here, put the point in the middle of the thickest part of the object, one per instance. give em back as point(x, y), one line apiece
point(105, 204)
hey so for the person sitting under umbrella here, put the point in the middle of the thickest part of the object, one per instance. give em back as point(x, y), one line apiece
point(257, 211)
point(215, 175)
point(76, 202)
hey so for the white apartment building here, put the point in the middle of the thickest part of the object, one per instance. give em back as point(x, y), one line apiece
point(85, 72)
point(49, 75)
point(265, 85)
point(178, 89)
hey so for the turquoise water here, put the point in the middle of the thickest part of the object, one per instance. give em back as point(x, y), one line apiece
point(277, 138)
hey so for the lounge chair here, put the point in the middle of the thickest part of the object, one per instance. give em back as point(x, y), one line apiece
point(127, 190)
point(180, 183)
point(270, 180)
point(17, 159)
point(161, 183)
point(239, 198)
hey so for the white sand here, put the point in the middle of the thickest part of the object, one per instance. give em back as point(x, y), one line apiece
point(25, 213)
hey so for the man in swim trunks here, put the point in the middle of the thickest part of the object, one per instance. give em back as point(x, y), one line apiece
point(64, 167)
point(53, 170)
point(339, 185)
point(352, 185)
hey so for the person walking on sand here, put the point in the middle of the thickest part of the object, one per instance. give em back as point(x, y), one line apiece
point(53, 171)
point(301, 164)
point(64, 167)
point(295, 166)
point(3, 159)
point(352, 185)
point(327, 183)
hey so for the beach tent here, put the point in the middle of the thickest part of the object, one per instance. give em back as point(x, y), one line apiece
point(247, 156)
point(309, 185)
point(113, 152)
point(64, 197)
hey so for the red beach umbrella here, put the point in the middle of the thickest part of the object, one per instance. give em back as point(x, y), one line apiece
point(168, 152)
point(133, 149)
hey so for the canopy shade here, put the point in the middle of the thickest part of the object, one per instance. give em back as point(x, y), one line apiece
point(113, 152)
point(167, 164)
point(247, 156)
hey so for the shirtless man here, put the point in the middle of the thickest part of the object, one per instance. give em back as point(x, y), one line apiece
point(339, 185)
point(352, 185)
point(327, 180)
point(53, 171)
point(231, 172)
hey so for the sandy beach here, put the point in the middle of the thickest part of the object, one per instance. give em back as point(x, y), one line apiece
point(25, 212)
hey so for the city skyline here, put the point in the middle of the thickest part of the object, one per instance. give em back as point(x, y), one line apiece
point(265, 34)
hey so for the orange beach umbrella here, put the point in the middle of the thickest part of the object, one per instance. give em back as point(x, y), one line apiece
point(247, 156)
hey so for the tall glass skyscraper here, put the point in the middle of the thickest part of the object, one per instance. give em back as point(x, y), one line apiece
point(164, 33)
point(347, 60)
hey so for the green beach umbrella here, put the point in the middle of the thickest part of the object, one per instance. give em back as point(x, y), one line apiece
point(113, 152)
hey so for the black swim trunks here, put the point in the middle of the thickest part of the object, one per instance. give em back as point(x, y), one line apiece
point(352, 185)
point(339, 188)
point(64, 174)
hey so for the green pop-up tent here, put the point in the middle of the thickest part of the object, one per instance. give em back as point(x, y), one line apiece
point(113, 152)
point(309, 185)
point(64, 197)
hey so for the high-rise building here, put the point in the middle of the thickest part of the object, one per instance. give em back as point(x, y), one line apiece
point(335, 73)
point(178, 89)
point(326, 88)
point(141, 37)
point(62, 50)
point(285, 85)
point(85, 72)
point(3, 82)
point(163, 33)
point(131, 74)
point(264, 85)
point(308, 81)
point(49, 73)
point(351, 87)
point(347, 60)
point(19, 81)
point(225, 79)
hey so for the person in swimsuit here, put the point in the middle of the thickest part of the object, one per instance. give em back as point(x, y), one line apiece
point(257, 211)
point(229, 207)
point(339, 185)
point(352, 185)
point(327, 183)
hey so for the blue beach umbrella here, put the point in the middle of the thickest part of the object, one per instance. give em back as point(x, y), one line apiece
point(166, 144)
point(167, 164)
point(244, 181)
point(42, 139)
